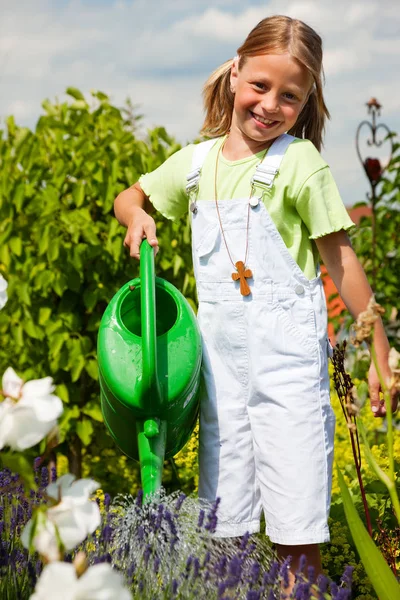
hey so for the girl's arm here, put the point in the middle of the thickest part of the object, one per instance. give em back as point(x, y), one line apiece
point(348, 275)
point(131, 207)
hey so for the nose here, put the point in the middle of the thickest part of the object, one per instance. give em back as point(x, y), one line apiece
point(270, 102)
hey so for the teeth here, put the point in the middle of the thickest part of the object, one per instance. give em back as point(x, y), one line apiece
point(262, 120)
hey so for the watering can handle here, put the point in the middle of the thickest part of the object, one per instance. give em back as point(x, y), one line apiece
point(151, 393)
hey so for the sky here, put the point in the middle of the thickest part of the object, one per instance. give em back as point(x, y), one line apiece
point(159, 53)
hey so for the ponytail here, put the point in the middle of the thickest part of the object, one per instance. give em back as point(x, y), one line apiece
point(218, 102)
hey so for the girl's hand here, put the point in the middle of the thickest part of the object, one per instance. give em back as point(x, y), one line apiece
point(377, 401)
point(140, 226)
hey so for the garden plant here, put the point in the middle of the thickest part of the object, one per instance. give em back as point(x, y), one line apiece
point(62, 258)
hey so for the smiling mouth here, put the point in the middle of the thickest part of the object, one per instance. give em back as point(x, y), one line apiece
point(266, 122)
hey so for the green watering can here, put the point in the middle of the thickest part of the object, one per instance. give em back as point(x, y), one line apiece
point(149, 355)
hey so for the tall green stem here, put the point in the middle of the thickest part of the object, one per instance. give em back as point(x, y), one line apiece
point(388, 404)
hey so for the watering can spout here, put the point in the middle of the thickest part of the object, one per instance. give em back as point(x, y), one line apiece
point(151, 443)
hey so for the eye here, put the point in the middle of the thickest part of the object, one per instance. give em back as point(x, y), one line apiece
point(260, 86)
point(290, 96)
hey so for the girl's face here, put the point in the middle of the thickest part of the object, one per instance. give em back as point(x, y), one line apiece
point(270, 92)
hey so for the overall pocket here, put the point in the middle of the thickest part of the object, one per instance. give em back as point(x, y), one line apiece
point(297, 315)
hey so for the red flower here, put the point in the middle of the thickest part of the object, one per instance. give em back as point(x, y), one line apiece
point(373, 169)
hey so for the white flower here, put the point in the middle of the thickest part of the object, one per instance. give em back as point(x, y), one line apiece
point(29, 411)
point(3, 293)
point(69, 521)
point(100, 582)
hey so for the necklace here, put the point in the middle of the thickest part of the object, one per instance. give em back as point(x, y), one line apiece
point(241, 273)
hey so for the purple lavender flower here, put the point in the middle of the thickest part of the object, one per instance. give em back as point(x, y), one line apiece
point(157, 563)
point(106, 534)
point(31, 573)
point(206, 558)
point(201, 519)
point(131, 572)
point(220, 567)
point(196, 568)
point(343, 594)
point(168, 517)
point(235, 569)
point(212, 519)
point(139, 499)
point(174, 586)
point(146, 554)
point(253, 595)
point(107, 501)
point(140, 533)
point(323, 583)
point(284, 572)
point(302, 591)
point(334, 589)
point(302, 563)
point(44, 477)
point(255, 572)
point(159, 518)
point(244, 541)
point(221, 589)
point(271, 576)
point(180, 501)
point(311, 574)
point(347, 576)
point(188, 564)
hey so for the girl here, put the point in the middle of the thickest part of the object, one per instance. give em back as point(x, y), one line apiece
point(263, 204)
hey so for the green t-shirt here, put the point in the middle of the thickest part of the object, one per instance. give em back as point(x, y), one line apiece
point(304, 202)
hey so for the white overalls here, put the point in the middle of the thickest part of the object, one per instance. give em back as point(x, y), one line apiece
point(266, 423)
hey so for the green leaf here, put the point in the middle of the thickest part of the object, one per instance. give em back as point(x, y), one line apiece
point(380, 575)
point(78, 194)
point(90, 298)
point(56, 343)
point(53, 250)
point(93, 410)
point(75, 93)
point(84, 429)
point(92, 368)
point(79, 105)
point(49, 108)
point(33, 331)
point(44, 315)
point(62, 392)
point(16, 246)
point(19, 195)
point(76, 368)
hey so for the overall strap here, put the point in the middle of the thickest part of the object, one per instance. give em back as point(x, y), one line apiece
point(199, 155)
point(266, 171)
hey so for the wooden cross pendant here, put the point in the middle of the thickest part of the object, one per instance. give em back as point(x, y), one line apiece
point(242, 274)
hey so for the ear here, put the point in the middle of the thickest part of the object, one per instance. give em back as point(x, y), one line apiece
point(234, 74)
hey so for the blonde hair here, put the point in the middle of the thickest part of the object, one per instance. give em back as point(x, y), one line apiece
point(273, 35)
